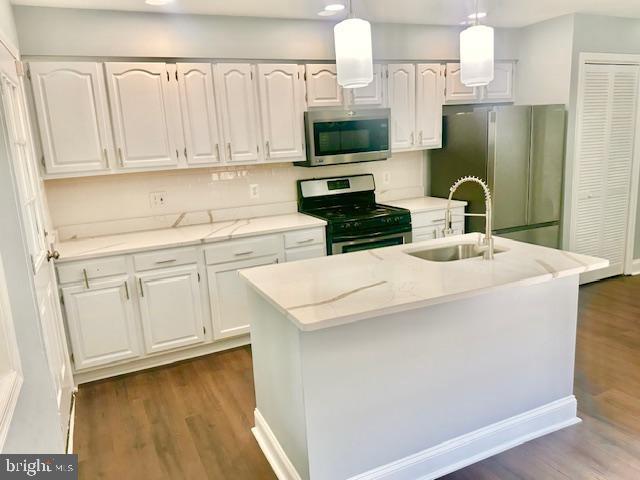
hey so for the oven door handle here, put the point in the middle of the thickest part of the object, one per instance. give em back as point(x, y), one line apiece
point(371, 237)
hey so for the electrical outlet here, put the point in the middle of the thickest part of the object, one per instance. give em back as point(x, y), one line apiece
point(254, 191)
point(158, 199)
point(386, 178)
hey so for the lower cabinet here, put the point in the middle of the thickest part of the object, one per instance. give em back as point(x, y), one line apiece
point(171, 308)
point(101, 322)
point(228, 296)
point(430, 225)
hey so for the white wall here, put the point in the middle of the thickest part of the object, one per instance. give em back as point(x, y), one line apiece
point(8, 33)
point(73, 32)
point(117, 197)
point(544, 62)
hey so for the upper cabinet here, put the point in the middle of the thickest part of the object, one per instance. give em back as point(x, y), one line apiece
point(374, 93)
point(499, 90)
point(402, 101)
point(430, 97)
point(281, 107)
point(71, 106)
point(199, 113)
point(144, 133)
point(236, 91)
point(322, 86)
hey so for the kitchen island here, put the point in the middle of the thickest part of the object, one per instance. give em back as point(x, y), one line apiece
point(383, 365)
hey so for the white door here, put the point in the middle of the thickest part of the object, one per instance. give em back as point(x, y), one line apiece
point(402, 101)
point(228, 296)
point(430, 97)
point(236, 93)
point(322, 85)
point(372, 94)
point(31, 195)
point(606, 124)
point(282, 111)
point(101, 322)
point(140, 108)
point(501, 88)
point(199, 113)
point(71, 104)
point(171, 308)
point(456, 91)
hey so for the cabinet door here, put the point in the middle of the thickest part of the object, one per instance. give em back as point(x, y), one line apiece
point(236, 94)
point(402, 101)
point(199, 113)
point(372, 94)
point(71, 106)
point(501, 88)
point(322, 86)
point(430, 94)
point(281, 110)
point(171, 308)
point(101, 322)
point(140, 105)
point(227, 294)
point(456, 91)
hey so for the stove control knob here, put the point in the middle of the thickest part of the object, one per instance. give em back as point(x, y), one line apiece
point(356, 224)
point(346, 225)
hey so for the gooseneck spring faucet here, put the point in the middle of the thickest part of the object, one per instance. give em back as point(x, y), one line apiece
point(486, 242)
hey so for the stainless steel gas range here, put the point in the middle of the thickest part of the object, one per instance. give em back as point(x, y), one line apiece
point(354, 220)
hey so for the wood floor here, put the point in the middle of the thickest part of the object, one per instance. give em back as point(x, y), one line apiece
point(192, 420)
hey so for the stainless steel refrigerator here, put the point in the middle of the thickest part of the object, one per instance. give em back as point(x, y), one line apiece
point(519, 151)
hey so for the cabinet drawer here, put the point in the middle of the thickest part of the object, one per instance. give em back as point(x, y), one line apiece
point(242, 249)
point(427, 219)
point(165, 258)
point(301, 238)
point(104, 267)
point(312, 251)
point(425, 233)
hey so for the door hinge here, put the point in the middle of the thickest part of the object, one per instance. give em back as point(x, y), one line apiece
point(204, 329)
point(73, 359)
point(176, 75)
point(387, 73)
point(177, 154)
point(185, 152)
point(42, 161)
point(61, 299)
point(168, 80)
point(298, 75)
point(198, 276)
point(20, 70)
point(251, 74)
point(305, 75)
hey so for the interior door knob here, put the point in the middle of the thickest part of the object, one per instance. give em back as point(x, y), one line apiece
point(55, 255)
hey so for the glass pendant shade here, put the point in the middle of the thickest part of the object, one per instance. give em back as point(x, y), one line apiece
point(476, 56)
point(354, 59)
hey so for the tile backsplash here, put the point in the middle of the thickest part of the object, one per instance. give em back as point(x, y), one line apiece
point(100, 205)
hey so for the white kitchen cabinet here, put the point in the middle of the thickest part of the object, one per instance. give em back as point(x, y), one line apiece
point(101, 322)
point(71, 106)
point(303, 253)
point(430, 97)
point(498, 90)
point(199, 113)
point(501, 88)
point(402, 101)
point(227, 294)
point(374, 93)
point(322, 85)
point(236, 98)
point(146, 134)
point(171, 308)
point(281, 108)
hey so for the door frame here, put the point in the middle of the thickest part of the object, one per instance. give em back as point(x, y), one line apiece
point(607, 59)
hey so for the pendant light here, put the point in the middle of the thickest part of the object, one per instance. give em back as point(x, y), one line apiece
point(476, 54)
point(354, 59)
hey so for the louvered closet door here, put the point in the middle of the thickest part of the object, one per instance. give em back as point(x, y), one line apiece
point(606, 129)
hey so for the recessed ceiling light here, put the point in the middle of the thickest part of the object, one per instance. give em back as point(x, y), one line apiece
point(334, 7)
point(327, 13)
point(157, 2)
point(475, 16)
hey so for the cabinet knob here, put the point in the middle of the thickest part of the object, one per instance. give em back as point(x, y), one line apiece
point(55, 255)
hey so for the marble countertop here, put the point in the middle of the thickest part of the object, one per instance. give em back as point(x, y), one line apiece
point(181, 236)
point(424, 204)
point(329, 291)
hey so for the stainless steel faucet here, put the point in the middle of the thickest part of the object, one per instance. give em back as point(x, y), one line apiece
point(487, 241)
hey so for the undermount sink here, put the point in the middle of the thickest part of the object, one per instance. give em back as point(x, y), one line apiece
point(451, 253)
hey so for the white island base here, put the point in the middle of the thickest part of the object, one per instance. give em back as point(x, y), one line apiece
point(415, 394)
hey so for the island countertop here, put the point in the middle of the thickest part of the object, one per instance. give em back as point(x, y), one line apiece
point(339, 289)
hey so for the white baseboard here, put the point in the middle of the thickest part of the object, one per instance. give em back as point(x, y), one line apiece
point(448, 456)
point(280, 463)
point(635, 267)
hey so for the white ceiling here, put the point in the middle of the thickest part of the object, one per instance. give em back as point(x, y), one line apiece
point(501, 13)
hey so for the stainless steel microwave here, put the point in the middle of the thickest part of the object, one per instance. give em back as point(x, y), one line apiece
point(346, 136)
